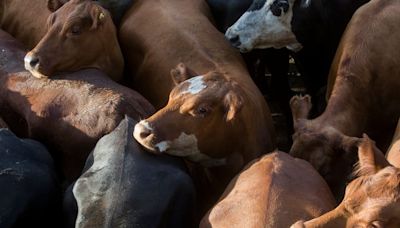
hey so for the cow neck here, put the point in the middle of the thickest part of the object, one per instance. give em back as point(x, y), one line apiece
point(112, 64)
point(346, 109)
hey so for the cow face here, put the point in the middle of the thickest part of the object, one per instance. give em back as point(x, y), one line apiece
point(371, 200)
point(267, 23)
point(80, 35)
point(199, 122)
point(324, 147)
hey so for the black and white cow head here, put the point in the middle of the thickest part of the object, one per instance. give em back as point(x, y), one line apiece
point(266, 24)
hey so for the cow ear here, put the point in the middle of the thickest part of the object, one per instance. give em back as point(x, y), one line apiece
point(371, 159)
point(300, 106)
point(181, 73)
point(233, 102)
point(54, 5)
point(98, 15)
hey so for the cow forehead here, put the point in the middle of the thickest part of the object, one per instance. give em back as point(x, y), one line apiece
point(195, 85)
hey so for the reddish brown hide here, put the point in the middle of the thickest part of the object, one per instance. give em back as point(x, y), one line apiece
point(273, 191)
point(68, 114)
point(363, 94)
point(80, 35)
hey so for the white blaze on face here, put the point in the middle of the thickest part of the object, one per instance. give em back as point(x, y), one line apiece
point(196, 85)
point(260, 29)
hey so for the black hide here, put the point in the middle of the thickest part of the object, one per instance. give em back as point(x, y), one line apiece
point(123, 186)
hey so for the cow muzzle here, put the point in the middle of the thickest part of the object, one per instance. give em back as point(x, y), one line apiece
point(143, 133)
point(32, 64)
point(235, 40)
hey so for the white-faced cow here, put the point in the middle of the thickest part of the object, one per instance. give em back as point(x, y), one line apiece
point(372, 200)
point(80, 34)
point(362, 90)
point(311, 28)
point(273, 191)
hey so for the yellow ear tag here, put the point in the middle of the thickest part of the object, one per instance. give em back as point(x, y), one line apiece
point(101, 16)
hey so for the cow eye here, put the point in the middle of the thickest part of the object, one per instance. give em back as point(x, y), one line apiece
point(278, 7)
point(75, 30)
point(201, 111)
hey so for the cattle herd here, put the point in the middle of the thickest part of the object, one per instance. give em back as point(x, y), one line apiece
point(152, 113)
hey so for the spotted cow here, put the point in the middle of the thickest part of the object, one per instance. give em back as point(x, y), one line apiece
point(310, 28)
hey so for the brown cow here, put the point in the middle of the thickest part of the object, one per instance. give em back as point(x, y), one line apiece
point(24, 20)
point(273, 191)
point(363, 93)
point(215, 116)
point(81, 34)
point(372, 200)
point(68, 114)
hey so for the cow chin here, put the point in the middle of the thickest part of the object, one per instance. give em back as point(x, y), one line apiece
point(37, 74)
point(183, 146)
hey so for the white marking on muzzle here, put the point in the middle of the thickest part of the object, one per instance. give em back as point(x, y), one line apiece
point(196, 85)
point(162, 146)
point(186, 146)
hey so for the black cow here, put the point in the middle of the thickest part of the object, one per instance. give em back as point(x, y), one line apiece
point(29, 194)
point(310, 28)
point(123, 186)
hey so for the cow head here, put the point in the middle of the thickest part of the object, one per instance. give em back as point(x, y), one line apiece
point(323, 146)
point(201, 120)
point(371, 200)
point(80, 35)
point(267, 23)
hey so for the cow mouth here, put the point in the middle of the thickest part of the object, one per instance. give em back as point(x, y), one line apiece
point(37, 74)
point(35, 71)
point(149, 145)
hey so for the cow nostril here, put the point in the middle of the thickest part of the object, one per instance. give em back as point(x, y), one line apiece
point(234, 39)
point(144, 133)
point(34, 61)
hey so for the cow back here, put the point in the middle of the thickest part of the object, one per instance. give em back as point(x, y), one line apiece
point(134, 188)
point(68, 113)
